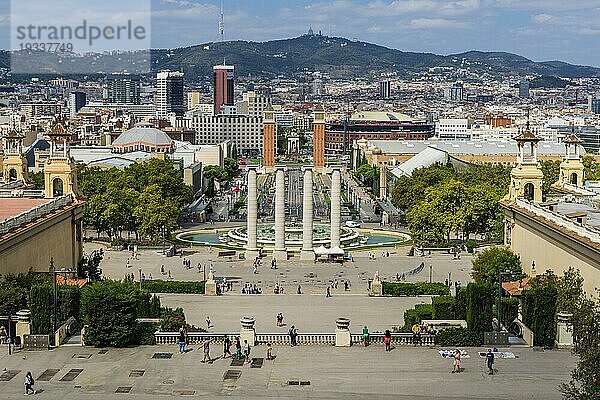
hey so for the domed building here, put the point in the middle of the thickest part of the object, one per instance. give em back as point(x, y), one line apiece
point(143, 137)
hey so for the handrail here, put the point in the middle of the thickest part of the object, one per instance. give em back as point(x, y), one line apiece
point(35, 213)
point(280, 338)
point(561, 220)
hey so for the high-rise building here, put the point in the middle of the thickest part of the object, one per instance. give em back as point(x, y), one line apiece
point(223, 87)
point(77, 100)
point(194, 98)
point(123, 89)
point(254, 103)
point(318, 87)
point(595, 108)
point(457, 92)
point(169, 93)
point(524, 89)
point(385, 89)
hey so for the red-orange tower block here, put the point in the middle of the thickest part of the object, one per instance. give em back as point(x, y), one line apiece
point(269, 140)
point(319, 138)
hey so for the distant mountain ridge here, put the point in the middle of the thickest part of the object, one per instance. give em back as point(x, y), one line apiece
point(336, 56)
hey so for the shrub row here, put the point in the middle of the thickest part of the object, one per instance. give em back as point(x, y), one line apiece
point(41, 305)
point(443, 307)
point(416, 315)
point(539, 309)
point(414, 289)
point(459, 337)
point(182, 287)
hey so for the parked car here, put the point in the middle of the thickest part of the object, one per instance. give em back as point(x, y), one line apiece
point(353, 224)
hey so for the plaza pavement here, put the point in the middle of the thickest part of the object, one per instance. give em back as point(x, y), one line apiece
point(334, 373)
point(309, 312)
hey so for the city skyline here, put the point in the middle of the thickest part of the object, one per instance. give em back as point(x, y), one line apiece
point(538, 30)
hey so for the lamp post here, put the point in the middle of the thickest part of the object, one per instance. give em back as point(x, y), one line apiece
point(140, 271)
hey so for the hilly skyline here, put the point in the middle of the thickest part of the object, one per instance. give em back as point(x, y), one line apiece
point(336, 56)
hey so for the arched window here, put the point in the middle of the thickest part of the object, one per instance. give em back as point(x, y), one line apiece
point(529, 191)
point(12, 175)
point(57, 187)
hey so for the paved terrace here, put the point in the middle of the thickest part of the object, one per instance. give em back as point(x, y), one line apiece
point(350, 373)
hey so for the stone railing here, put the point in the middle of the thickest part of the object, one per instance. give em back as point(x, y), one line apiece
point(303, 339)
point(561, 220)
point(193, 337)
point(21, 193)
point(35, 213)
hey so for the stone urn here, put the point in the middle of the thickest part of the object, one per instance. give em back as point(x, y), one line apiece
point(24, 315)
point(342, 324)
point(564, 316)
point(247, 322)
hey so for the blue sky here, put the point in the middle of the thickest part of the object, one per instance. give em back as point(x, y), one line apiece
point(567, 30)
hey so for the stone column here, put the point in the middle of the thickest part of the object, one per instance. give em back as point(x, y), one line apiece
point(382, 181)
point(307, 253)
point(252, 208)
point(342, 332)
point(279, 252)
point(335, 206)
point(247, 332)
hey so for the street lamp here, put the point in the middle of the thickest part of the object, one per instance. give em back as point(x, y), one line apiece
point(499, 308)
point(140, 271)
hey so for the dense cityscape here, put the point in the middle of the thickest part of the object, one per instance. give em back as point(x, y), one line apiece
point(316, 216)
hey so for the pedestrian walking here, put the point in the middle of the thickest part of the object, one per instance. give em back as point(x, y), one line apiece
point(29, 384)
point(208, 323)
point(247, 351)
point(328, 292)
point(489, 357)
point(293, 334)
point(279, 319)
point(387, 340)
point(238, 348)
point(226, 346)
point(269, 351)
point(299, 290)
point(456, 367)
point(346, 286)
point(206, 348)
point(365, 335)
point(182, 339)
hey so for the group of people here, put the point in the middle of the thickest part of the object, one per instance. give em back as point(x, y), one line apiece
point(278, 289)
point(251, 289)
point(240, 352)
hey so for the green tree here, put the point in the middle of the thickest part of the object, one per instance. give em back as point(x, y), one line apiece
point(231, 166)
point(490, 262)
point(109, 309)
point(37, 179)
point(591, 168)
point(551, 171)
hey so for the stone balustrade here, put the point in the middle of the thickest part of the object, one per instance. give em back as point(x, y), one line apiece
point(303, 339)
point(35, 213)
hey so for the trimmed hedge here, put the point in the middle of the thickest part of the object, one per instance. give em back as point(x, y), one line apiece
point(510, 310)
point(41, 304)
point(109, 309)
point(459, 337)
point(414, 289)
point(479, 306)
point(181, 287)
point(443, 307)
point(539, 310)
point(416, 315)
point(461, 302)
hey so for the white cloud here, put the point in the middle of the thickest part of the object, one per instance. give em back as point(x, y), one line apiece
point(542, 18)
point(436, 23)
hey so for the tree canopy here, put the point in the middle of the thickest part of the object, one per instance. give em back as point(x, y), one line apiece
point(439, 200)
point(144, 198)
point(490, 262)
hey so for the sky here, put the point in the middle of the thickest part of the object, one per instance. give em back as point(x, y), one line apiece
point(566, 30)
